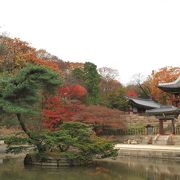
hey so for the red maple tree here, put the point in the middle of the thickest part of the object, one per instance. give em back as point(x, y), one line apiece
point(67, 106)
point(132, 93)
point(100, 117)
point(63, 106)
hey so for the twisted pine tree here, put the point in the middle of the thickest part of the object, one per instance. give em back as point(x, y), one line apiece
point(18, 94)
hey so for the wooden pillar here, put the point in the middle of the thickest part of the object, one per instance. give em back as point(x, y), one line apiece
point(173, 126)
point(161, 127)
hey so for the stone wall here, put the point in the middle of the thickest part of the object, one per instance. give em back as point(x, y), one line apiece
point(129, 139)
point(149, 151)
point(133, 119)
point(136, 119)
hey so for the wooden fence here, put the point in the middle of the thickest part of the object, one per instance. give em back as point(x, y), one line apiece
point(124, 132)
point(132, 131)
point(177, 130)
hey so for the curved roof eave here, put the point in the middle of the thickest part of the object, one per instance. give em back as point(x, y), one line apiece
point(144, 102)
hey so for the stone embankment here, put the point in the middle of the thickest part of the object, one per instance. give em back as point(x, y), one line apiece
point(4, 155)
point(149, 151)
point(133, 119)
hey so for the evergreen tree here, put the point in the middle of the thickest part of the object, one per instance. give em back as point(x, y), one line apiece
point(117, 99)
point(18, 94)
point(91, 80)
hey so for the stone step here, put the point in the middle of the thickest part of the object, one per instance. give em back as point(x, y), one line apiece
point(161, 143)
point(163, 140)
point(176, 140)
point(147, 140)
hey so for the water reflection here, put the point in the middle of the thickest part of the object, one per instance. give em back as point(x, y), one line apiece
point(150, 169)
point(120, 169)
point(1, 161)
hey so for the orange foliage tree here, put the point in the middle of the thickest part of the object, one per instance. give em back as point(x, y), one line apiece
point(14, 54)
point(166, 74)
point(46, 63)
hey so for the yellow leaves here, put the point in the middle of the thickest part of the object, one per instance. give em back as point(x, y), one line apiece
point(17, 54)
point(166, 74)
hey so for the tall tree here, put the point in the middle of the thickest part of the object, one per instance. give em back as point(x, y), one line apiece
point(109, 80)
point(108, 74)
point(112, 92)
point(140, 85)
point(117, 99)
point(91, 80)
point(19, 94)
point(166, 74)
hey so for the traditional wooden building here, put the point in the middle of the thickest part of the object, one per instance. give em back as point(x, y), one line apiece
point(138, 105)
point(173, 88)
point(168, 113)
point(164, 114)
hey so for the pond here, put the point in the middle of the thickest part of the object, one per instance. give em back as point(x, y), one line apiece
point(120, 169)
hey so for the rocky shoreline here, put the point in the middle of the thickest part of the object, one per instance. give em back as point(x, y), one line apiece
point(4, 155)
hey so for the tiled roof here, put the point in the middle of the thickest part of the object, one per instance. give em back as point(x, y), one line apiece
point(144, 102)
point(164, 109)
point(175, 85)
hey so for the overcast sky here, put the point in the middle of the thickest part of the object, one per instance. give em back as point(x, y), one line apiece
point(133, 36)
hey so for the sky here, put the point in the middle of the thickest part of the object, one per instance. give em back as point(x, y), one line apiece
point(132, 36)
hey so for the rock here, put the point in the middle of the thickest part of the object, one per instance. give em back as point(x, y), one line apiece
point(134, 142)
point(1, 142)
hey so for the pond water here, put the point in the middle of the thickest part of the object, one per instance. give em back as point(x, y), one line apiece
point(120, 169)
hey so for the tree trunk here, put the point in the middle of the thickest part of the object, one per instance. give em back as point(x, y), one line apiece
point(36, 141)
point(23, 125)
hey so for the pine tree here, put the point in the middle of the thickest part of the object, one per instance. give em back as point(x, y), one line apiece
point(18, 94)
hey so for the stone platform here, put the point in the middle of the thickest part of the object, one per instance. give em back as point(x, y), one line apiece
point(149, 151)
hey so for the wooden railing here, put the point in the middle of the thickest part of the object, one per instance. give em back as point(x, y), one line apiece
point(133, 131)
point(177, 130)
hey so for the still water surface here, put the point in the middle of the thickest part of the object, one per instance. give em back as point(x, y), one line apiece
point(120, 169)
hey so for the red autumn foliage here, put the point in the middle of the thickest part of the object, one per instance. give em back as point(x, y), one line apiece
point(74, 91)
point(78, 91)
point(58, 111)
point(97, 114)
point(62, 107)
point(66, 106)
point(132, 93)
